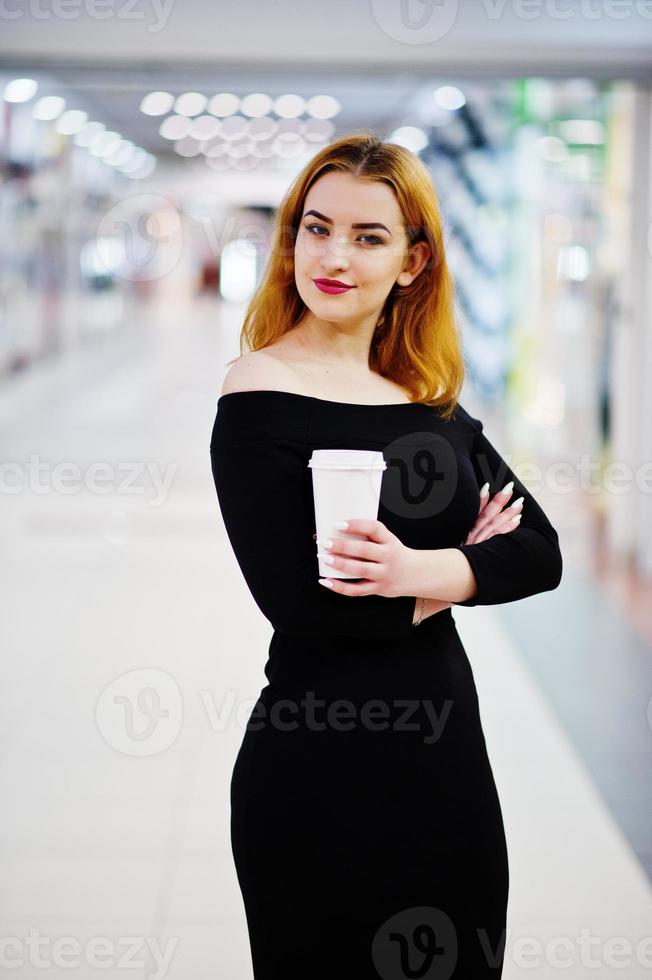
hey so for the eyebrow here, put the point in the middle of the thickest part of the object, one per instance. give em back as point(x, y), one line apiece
point(360, 224)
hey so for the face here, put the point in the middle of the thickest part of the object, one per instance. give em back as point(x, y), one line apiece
point(369, 259)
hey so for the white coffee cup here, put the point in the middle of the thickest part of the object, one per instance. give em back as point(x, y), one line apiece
point(346, 484)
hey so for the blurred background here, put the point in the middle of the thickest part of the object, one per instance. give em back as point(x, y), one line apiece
point(144, 148)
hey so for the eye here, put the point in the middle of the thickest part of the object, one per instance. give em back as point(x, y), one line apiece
point(374, 238)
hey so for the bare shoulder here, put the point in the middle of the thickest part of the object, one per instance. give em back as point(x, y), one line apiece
point(258, 370)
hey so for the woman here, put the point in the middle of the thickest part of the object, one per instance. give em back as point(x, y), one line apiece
point(366, 828)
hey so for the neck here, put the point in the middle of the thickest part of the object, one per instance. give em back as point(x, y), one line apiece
point(330, 343)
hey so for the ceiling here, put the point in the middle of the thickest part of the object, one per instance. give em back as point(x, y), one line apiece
point(471, 37)
point(380, 58)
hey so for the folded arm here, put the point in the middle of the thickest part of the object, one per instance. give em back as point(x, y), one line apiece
point(521, 563)
point(264, 490)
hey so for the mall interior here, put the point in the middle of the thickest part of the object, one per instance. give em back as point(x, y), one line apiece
point(144, 149)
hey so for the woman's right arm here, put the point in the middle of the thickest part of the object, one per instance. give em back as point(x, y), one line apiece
point(264, 492)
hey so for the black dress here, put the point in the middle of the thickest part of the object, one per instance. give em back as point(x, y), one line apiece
point(366, 829)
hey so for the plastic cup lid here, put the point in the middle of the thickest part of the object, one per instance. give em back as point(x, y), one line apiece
point(347, 459)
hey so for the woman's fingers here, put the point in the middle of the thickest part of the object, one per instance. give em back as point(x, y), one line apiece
point(495, 505)
point(494, 517)
point(498, 527)
point(484, 498)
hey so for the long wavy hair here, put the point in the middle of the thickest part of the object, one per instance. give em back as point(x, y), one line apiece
point(416, 342)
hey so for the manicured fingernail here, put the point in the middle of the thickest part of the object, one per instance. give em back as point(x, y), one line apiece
point(517, 502)
point(341, 525)
point(326, 582)
point(485, 490)
point(517, 518)
point(327, 558)
point(508, 488)
point(325, 544)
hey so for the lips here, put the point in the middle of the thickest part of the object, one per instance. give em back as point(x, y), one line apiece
point(332, 286)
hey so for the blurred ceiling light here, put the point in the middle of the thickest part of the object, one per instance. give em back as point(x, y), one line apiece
point(318, 130)
point(157, 103)
point(582, 131)
point(219, 164)
point(146, 167)
point(138, 157)
point(449, 97)
point(323, 107)
point(205, 127)
point(263, 128)
point(49, 107)
point(539, 97)
point(86, 135)
point(71, 122)
point(190, 104)
point(234, 127)
point(245, 163)
point(121, 154)
point(175, 127)
point(215, 148)
point(551, 148)
point(262, 149)
point(237, 270)
point(187, 147)
point(289, 145)
point(20, 90)
point(574, 263)
point(239, 148)
point(145, 170)
point(292, 126)
point(411, 137)
point(256, 104)
point(547, 405)
point(224, 104)
point(289, 106)
point(105, 144)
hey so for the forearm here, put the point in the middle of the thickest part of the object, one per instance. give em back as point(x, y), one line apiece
point(444, 574)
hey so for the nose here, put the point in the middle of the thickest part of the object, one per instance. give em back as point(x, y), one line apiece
point(336, 253)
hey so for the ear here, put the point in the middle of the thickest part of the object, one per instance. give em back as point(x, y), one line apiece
point(417, 259)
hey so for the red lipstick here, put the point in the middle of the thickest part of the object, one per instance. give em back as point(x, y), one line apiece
point(332, 286)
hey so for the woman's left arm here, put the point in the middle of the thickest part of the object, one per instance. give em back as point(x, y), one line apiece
point(511, 566)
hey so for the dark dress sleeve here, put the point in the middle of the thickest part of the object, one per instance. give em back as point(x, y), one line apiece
point(264, 489)
point(521, 562)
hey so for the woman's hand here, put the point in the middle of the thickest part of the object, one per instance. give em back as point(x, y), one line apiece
point(491, 519)
point(368, 550)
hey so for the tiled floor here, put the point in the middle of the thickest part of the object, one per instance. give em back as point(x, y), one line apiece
point(134, 652)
